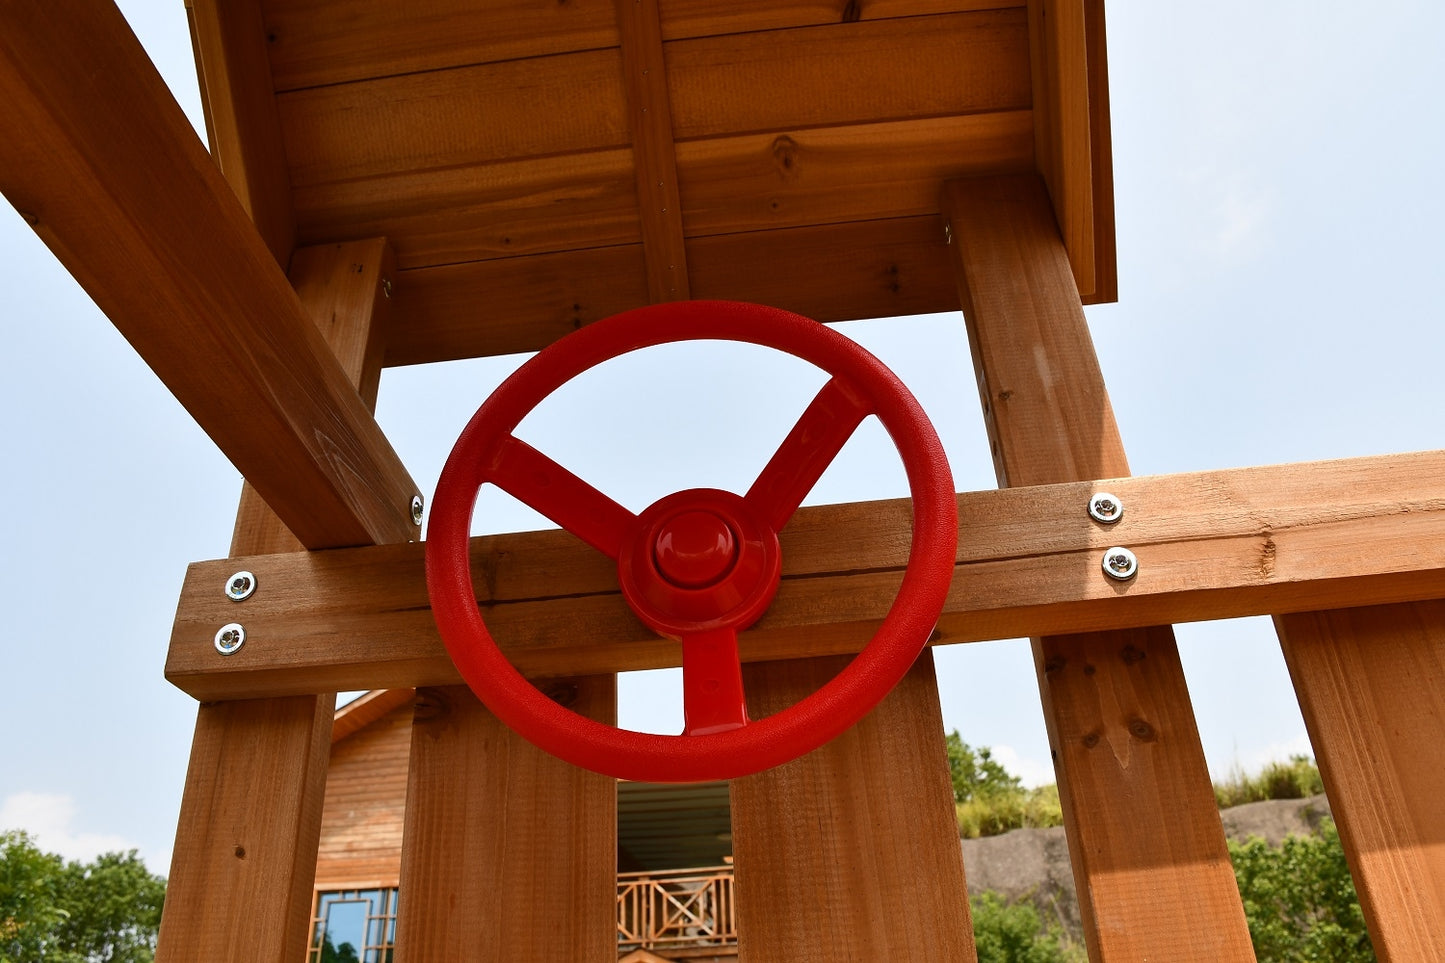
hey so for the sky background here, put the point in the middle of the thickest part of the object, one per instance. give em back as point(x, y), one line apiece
point(1276, 172)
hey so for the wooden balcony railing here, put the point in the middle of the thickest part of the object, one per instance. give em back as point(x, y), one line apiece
point(687, 907)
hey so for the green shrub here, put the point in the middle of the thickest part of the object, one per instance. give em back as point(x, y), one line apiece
point(1013, 933)
point(1299, 900)
point(1005, 811)
point(1295, 779)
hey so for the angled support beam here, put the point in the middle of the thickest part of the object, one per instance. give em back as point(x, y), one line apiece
point(1211, 545)
point(1148, 850)
point(104, 166)
point(245, 858)
point(1371, 685)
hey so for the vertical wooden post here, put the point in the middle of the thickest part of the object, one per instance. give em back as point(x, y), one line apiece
point(509, 854)
point(1149, 857)
point(851, 852)
point(1371, 685)
point(245, 858)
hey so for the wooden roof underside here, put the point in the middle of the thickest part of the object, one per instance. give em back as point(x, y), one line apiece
point(537, 164)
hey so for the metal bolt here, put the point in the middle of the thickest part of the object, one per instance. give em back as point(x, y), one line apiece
point(416, 506)
point(230, 638)
point(1120, 563)
point(386, 287)
point(240, 586)
point(1105, 508)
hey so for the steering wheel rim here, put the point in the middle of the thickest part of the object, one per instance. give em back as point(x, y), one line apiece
point(487, 451)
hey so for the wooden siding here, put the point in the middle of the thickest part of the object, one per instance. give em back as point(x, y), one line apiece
point(361, 821)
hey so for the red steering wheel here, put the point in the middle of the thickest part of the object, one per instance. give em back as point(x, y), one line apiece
point(698, 565)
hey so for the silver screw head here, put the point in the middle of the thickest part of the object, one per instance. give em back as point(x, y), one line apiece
point(240, 586)
point(1121, 564)
point(230, 637)
point(1105, 508)
point(416, 506)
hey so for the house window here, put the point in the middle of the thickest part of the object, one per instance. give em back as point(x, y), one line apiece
point(353, 926)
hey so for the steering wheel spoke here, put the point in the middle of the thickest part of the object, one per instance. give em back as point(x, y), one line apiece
point(810, 447)
point(545, 486)
point(712, 683)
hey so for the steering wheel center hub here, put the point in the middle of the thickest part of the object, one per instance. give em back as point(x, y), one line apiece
point(695, 549)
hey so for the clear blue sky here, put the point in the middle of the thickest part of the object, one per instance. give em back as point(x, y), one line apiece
point(1276, 171)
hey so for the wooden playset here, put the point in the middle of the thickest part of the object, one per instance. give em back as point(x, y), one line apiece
point(401, 183)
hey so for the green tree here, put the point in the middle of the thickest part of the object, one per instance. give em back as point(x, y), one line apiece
point(976, 774)
point(1299, 900)
point(106, 911)
point(1013, 933)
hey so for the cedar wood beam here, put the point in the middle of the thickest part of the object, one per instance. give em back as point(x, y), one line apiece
point(1211, 545)
point(103, 164)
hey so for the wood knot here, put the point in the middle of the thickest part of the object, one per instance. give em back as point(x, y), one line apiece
point(852, 11)
point(240, 852)
point(1054, 663)
point(563, 693)
point(429, 705)
point(1142, 730)
point(1091, 740)
point(1132, 655)
point(1089, 669)
point(785, 154)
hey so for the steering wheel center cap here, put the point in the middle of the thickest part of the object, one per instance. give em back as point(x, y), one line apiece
point(695, 549)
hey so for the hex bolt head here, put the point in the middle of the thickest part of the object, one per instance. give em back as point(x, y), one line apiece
point(240, 586)
point(1105, 508)
point(416, 506)
point(229, 638)
point(1120, 563)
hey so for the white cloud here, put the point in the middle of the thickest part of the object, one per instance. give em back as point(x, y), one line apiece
point(49, 819)
point(1031, 771)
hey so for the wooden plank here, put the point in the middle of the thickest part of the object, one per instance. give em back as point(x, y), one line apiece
point(106, 169)
point(1101, 142)
point(499, 835)
point(838, 174)
point(245, 859)
point(704, 18)
point(851, 852)
point(1371, 685)
point(649, 116)
point(454, 118)
point(313, 46)
point(1150, 862)
point(832, 272)
point(458, 214)
point(896, 70)
point(531, 302)
point(1212, 545)
point(241, 875)
point(229, 41)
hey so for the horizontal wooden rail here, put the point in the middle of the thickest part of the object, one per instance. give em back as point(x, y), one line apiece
point(1211, 545)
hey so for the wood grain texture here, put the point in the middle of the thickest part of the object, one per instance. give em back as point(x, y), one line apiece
point(499, 835)
point(896, 70)
point(313, 45)
point(840, 174)
point(229, 42)
point(364, 812)
point(649, 117)
point(1371, 685)
point(106, 169)
point(246, 847)
point(1150, 862)
point(703, 18)
point(1220, 544)
point(455, 118)
point(851, 852)
point(506, 209)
